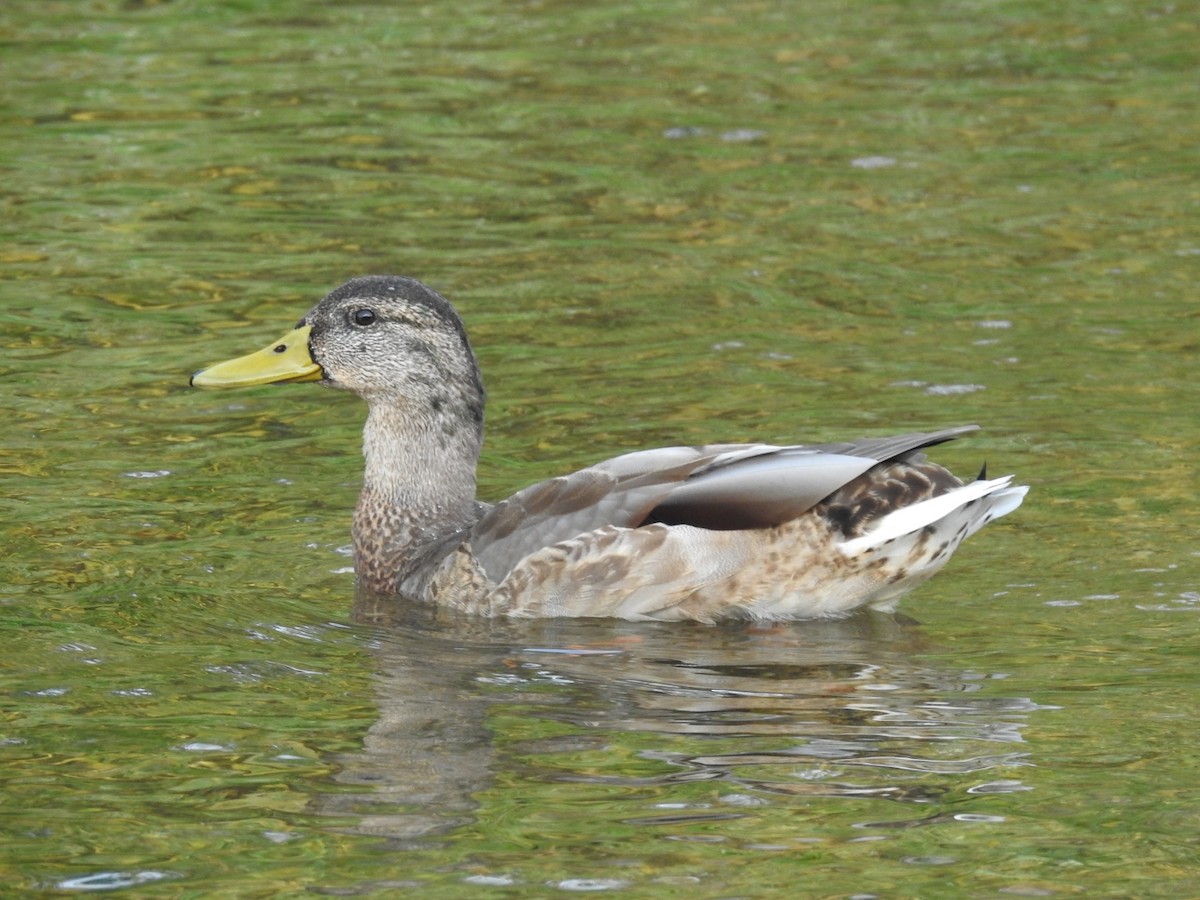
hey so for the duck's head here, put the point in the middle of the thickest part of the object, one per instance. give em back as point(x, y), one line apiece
point(392, 340)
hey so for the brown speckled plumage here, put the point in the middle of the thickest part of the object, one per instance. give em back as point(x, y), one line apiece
point(699, 533)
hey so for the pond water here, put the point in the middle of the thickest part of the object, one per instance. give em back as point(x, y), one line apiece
point(663, 223)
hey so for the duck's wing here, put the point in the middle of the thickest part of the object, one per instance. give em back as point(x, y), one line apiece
point(718, 487)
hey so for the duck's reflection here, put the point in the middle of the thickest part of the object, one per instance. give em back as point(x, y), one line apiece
point(828, 708)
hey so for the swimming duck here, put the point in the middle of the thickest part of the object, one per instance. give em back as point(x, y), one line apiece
point(679, 533)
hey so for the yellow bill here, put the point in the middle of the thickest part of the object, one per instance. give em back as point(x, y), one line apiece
point(284, 361)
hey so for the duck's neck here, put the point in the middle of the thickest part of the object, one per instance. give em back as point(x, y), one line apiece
point(419, 486)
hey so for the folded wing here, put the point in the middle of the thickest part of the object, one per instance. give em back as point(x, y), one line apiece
point(719, 487)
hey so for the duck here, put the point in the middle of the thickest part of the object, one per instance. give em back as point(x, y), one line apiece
point(689, 533)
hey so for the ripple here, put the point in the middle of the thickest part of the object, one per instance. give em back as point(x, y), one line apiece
point(201, 747)
point(1005, 786)
point(930, 860)
point(873, 162)
point(950, 390)
point(111, 881)
point(590, 884)
point(941, 766)
point(491, 880)
point(743, 135)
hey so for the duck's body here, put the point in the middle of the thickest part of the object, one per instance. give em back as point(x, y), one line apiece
point(701, 533)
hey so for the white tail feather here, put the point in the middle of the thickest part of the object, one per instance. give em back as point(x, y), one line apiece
point(1003, 499)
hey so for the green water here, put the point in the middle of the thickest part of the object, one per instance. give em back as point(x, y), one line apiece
point(664, 223)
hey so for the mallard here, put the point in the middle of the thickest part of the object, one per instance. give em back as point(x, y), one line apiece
point(678, 533)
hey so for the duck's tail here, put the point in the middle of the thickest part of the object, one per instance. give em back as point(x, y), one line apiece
point(912, 543)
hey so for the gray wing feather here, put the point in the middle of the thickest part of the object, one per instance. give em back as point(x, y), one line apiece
point(885, 448)
point(719, 486)
point(620, 491)
point(773, 485)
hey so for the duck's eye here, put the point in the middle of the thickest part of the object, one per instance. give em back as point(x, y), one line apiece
point(363, 317)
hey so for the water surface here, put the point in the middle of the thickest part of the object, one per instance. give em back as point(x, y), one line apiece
point(664, 223)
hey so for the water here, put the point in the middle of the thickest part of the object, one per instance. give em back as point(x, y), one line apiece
point(663, 224)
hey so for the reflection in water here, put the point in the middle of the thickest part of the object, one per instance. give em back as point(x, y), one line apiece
point(827, 708)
